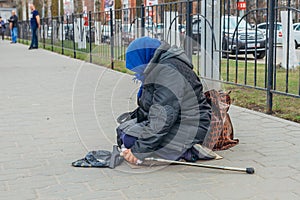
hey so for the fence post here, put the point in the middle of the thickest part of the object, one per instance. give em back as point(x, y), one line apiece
point(142, 20)
point(22, 25)
point(111, 38)
point(73, 33)
point(52, 33)
point(28, 35)
point(270, 58)
point(189, 32)
point(62, 35)
point(44, 39)
point(90, 34)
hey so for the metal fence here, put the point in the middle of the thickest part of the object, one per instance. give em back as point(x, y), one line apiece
point(253, 47)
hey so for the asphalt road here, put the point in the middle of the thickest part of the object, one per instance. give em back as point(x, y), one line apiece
point(279, 56)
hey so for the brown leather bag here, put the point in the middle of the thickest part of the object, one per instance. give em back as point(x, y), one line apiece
point(220, 135)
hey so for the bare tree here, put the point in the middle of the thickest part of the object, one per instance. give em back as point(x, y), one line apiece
point(297, 13)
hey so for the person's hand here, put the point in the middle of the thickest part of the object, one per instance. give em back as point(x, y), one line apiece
point(127, 154)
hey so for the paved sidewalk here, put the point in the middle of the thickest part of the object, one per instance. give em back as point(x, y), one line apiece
point(54, 109)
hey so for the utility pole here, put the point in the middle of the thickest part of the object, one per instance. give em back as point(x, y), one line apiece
point(210, 43)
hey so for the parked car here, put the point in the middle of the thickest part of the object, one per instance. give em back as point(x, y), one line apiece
point(68, 28)
point(196, 33)
point(242, 39)
point(150, 29)
point(49, 31)
point(128, 33)
point(234, 40)
point(105, 33)
point(277, 27)
point(181, 28)
point(92, 34)
point(159, 30)
point(296, 28)
point(149, 25)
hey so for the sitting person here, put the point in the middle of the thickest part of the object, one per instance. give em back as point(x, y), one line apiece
point(173, 114)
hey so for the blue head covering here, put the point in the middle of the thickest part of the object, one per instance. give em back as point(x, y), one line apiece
point(139, 53)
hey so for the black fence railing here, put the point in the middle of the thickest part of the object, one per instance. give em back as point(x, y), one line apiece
point(253, 47)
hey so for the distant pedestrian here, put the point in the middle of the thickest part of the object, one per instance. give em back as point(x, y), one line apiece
point(35, 25)
point(2, 28)
point(13, 25)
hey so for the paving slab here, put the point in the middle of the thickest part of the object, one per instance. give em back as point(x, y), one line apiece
point(54, 109)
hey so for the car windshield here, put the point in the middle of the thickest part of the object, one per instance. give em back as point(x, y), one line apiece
point(68, 26)
point(232, 22)
point(266, 26)
point(197, 26)
point(160, 26)
point(295, 26)
point(127, 28)
point(278, 26)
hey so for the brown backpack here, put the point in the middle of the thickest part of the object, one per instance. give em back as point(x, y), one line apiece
point(220, 135)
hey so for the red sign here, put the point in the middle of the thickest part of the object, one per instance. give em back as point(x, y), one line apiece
point(241, 5)
point(86, 21)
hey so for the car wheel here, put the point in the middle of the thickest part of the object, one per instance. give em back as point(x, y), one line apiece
point(259, 54)
point(225, 53)
point(296, 45)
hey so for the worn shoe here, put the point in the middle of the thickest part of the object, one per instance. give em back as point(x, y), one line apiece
point(30, 48)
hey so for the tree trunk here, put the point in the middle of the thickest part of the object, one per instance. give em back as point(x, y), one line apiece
point(54, 8)
point(49, 2)
point(78, 6)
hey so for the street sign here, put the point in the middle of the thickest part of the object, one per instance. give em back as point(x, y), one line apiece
point(241, 5)
point(151, 2)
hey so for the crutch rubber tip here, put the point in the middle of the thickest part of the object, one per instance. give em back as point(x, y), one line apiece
point(250, 170)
